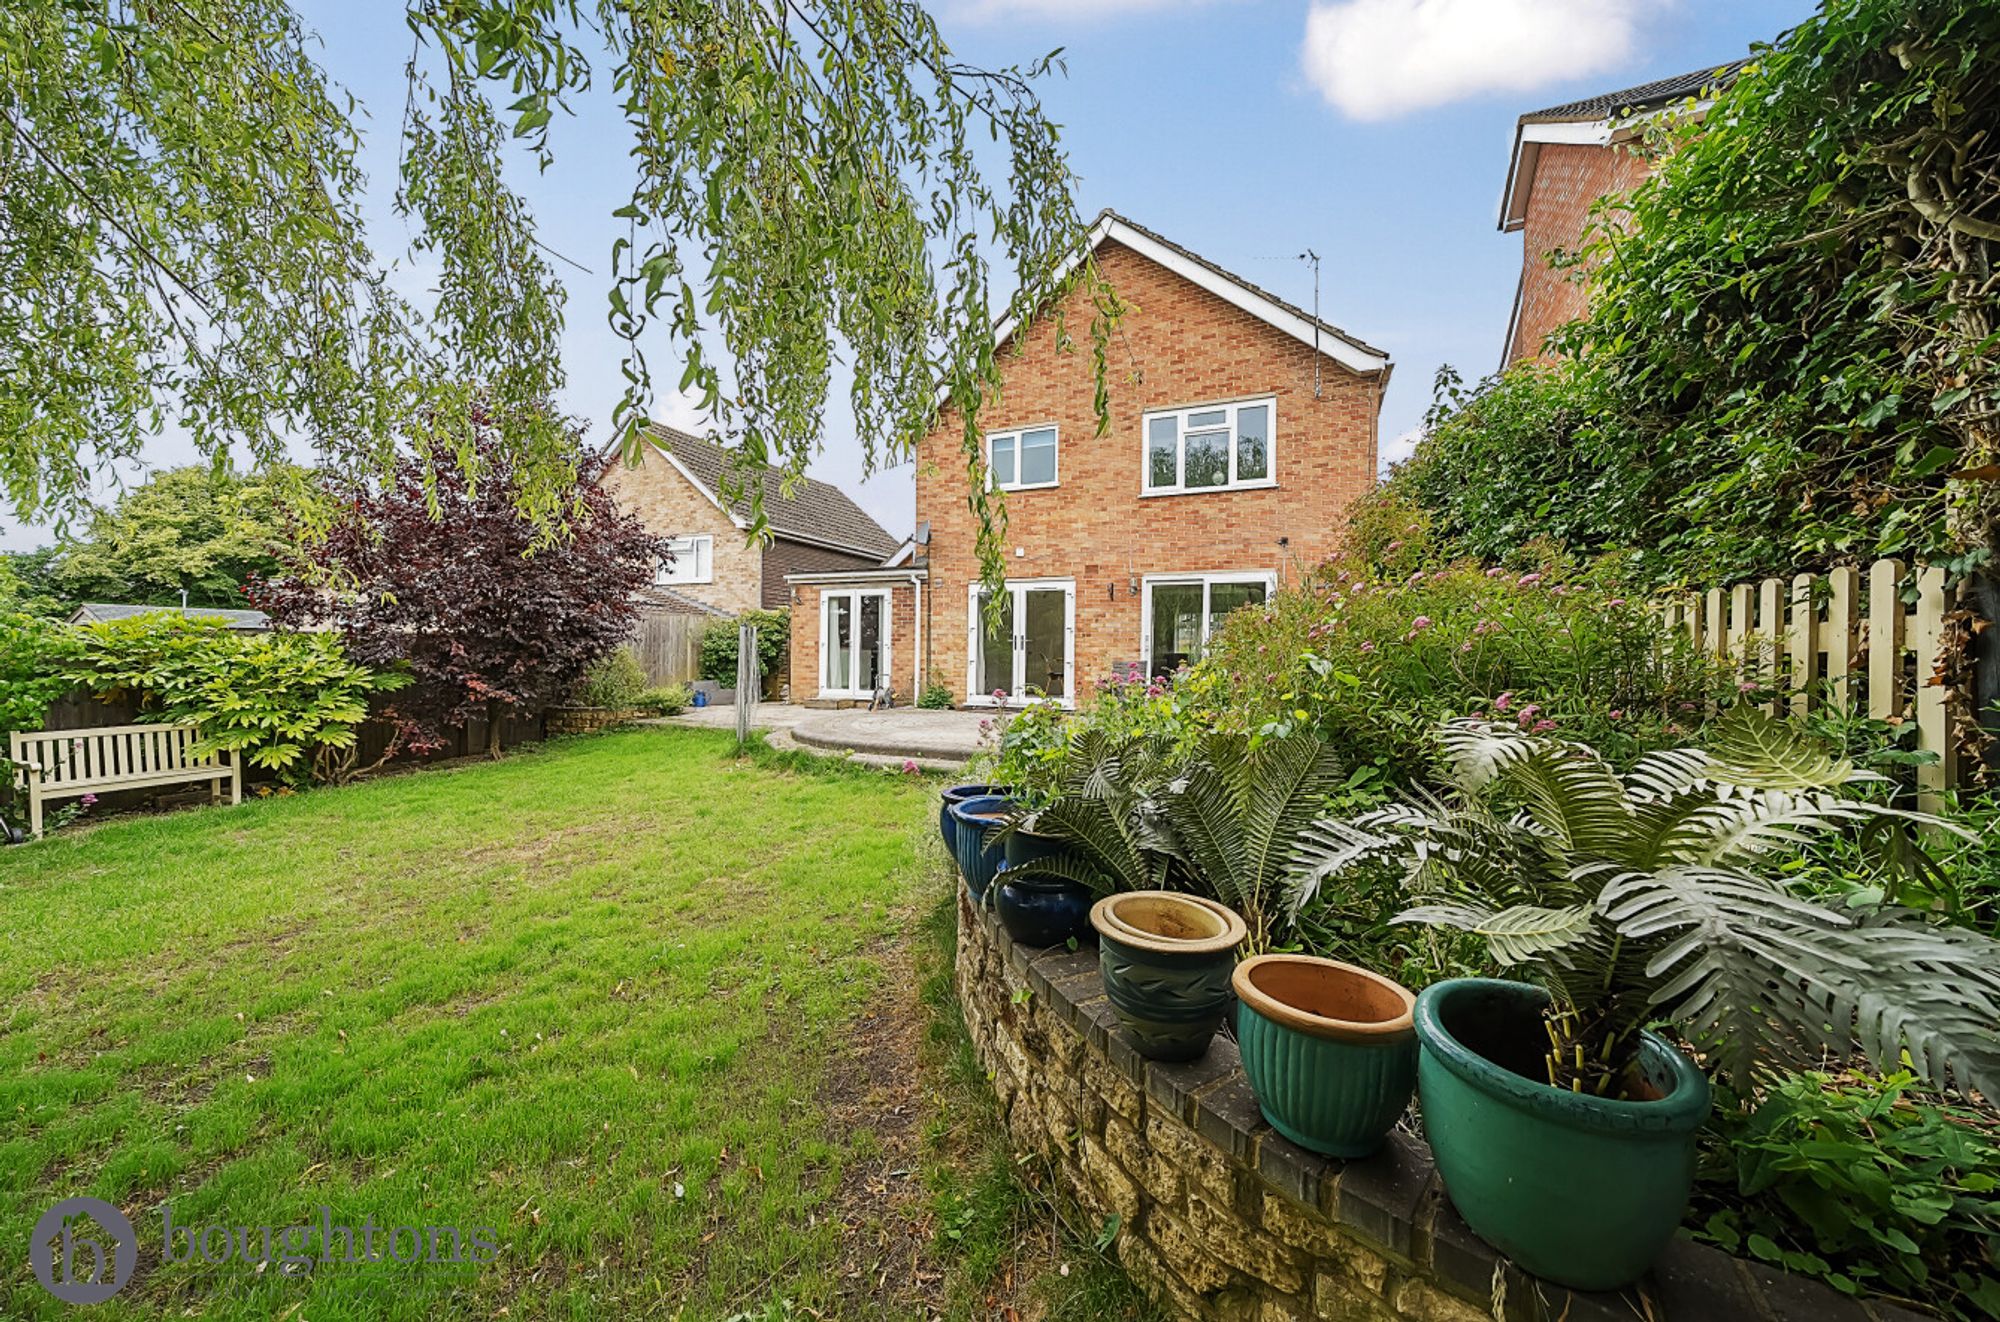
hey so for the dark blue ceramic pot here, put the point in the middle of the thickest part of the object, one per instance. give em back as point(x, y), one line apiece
point(1025, 846)
point(959, 794)
point(972, 821)
point(1040, 912)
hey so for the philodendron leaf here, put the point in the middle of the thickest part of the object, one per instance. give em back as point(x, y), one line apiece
point(1752, 749)
point(1521, 934)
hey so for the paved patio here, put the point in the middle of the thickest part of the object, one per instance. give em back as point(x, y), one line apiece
point(936, 740)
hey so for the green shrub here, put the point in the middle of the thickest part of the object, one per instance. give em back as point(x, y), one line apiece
point(1375, 665)
point(936, 696)
point(287, 702)
point(666, 700)
point(616, 681)
point(718, 645)
point(1855, 1181)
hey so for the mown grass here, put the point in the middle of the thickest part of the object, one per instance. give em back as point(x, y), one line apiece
point(583, 997)
point(1013, 1235)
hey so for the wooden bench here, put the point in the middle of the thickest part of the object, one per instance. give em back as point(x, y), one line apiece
point(67, 764)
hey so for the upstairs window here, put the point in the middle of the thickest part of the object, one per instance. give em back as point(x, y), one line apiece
point(1022, 460)
point(693, 562)
point(1211, 447)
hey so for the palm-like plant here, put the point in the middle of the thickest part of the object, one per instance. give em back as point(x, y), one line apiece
point(1106, 809)
point(1221, 822)
point(1659, 895)
point(1238, 809)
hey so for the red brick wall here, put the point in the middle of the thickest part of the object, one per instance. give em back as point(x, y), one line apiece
point(1179, 345)
point(1568, 179)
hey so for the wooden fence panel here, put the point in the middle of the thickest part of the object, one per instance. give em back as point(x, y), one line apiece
point(668, 647)
point(1808, 641)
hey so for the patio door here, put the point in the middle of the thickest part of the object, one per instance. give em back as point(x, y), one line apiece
point(1181, 612)
point(1031, 652)
point(853, 642)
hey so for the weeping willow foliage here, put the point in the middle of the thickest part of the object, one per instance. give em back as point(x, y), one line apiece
point(818, 186)
point(1661, 894)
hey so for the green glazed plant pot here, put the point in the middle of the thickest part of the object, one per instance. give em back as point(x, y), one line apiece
point(1583, 1191)
point(1166, 960)
point(1330, 1050)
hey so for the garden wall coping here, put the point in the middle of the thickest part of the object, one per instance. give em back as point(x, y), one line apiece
point(1221, 1218)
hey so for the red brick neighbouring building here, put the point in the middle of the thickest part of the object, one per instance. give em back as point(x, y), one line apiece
point(1240, 430)
point(1565, 158)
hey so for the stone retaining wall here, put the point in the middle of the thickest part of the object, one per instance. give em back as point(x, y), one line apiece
point(1220, 1218)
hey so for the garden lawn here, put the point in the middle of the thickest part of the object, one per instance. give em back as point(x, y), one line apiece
point(585, 997)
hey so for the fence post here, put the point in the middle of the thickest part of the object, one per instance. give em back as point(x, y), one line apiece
point(1844, 595)
point(1804, 641)
point(747, 679)
point(1885, 640)
point(1933, 719)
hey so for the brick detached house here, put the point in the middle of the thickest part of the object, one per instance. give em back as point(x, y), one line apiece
point(1564, 159)
point(680, 490)
point(1241, 427)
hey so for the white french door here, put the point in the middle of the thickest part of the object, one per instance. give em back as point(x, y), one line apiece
point(853, 642)
point(1031, 652)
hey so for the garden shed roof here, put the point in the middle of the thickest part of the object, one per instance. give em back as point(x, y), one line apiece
point(99, 612)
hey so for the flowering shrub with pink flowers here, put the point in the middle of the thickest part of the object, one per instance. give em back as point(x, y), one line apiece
point(1375, 664)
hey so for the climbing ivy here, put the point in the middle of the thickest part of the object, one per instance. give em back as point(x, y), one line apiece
point(1790, 354)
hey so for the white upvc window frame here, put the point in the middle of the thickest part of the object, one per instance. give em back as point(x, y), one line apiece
point(699, 548)
point(975, 628)
point(1230, 407)
point(1209, 580)
point(1014, 435)
point(855, 596)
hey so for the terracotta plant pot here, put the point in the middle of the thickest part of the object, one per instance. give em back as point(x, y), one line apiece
point(1042, 911)
point(959, 794)
point(1329, 1048)
point(1166, 958)
point(972, 821)
point(1584, 1191)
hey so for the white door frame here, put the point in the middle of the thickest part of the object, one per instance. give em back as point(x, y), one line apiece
point(854, 597)
point(1207, 579)
point(1017, 587)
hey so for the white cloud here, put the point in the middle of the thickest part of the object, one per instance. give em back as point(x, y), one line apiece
point(1398, 448)
point(681, 409)
point(1376, 59)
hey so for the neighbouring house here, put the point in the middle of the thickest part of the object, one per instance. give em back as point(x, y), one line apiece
point(683, 489)
point(1241, 426)
point(1565, 158)
point(237, 621)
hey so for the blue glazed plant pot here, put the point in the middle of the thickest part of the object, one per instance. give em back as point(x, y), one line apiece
point(1026, 846)
point(1040, 912)
point(1166, 959)
point(1584, 1191)
point(972, 821)
point(1330, 1050)
point(959, 794)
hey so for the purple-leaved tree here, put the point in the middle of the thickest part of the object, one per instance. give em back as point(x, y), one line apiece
point(450, 584)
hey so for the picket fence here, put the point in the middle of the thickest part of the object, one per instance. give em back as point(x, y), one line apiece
point(1848, 638)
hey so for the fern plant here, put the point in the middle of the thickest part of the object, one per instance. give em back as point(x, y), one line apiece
point(1221, 822)
point(1661, 895)
point(1105, 808)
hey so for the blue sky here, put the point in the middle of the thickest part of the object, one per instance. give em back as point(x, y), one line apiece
point(1373, 131)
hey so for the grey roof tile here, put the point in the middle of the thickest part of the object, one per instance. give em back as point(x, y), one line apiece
point(815, 511)
point(1646, 96)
